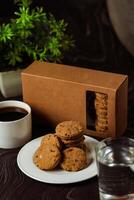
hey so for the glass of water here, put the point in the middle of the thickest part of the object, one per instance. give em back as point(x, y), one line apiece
point(115, 164)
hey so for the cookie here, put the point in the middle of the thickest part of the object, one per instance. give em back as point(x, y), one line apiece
point(101, 129)
point(101, 112)
point(79, 144)
point(47, 158)
point(99, 96)
point(102, 120)
point(51, 139)
point(100, 104)
point(73, 141)
point(100, 124)
point(74, 159)
point(69, 129)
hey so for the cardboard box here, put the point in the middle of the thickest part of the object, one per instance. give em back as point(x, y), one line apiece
point(59, 92)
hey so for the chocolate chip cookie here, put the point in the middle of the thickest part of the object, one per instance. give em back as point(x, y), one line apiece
point(51, 139)
point(69, 129)
point(47, 158)
point(74, 159)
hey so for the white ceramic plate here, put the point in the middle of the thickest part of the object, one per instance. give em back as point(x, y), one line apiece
point(25, 163)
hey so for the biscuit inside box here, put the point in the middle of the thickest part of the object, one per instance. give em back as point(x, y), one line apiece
point(96, 111)
point(97, 99)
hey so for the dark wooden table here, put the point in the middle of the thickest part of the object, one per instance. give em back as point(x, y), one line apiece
point(15, 185)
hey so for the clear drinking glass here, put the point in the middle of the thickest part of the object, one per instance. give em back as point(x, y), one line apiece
point(115, 163)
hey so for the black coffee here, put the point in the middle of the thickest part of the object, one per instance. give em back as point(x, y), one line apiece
point(12, 113)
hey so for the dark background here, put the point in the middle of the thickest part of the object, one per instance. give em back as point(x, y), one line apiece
point(97, 45)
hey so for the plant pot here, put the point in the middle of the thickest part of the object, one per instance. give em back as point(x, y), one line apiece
point(10, 83)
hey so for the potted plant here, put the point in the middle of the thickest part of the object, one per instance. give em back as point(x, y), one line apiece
point(31, 34)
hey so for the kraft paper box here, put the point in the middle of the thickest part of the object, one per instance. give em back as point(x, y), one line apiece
point(59, 92)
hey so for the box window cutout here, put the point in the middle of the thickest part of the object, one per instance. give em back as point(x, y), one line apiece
point(96, 111)
point(90, 110)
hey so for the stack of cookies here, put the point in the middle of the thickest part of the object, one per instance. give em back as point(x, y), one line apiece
point(62, 149)
point(74, 154)
point(70, 133)
point(101, 102)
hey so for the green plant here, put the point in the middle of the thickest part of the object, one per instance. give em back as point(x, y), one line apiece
point(32, 34)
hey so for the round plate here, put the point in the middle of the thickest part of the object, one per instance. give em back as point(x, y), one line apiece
point(25, 163)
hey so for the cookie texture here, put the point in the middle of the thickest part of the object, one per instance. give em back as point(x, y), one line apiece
point(74, 159)
point(51, 139)
point(69, 129)
point(101, 107)
point(76, 140)
point(47, 158)
point(75, 144)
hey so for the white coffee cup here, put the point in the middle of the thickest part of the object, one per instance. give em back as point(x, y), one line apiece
point(15, 124)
